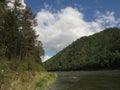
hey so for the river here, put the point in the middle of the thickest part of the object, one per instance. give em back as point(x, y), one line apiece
point(66, 81)
point(87, 80)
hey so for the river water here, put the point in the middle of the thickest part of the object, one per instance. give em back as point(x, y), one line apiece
point(66, 81)
point(87, 80)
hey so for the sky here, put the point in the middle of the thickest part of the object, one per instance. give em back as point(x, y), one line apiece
point(60, 22)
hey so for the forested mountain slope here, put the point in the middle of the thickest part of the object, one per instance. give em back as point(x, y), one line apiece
point(98, 51)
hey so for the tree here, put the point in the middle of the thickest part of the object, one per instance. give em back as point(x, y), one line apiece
point(98, 51)
point(17, 36)
point(38, 51)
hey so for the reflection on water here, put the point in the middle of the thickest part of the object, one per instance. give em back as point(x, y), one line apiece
point(87, 80)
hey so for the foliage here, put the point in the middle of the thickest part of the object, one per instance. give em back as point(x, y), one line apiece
point(20, 51)
point(19, 48)
point(11, 80)
point(46, 81)
point(98, 51)
point(17, 36)
point(28, 64)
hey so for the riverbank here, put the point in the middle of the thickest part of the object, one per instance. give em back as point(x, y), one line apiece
point(87, 80)
point(10, 80)
point(46, 79)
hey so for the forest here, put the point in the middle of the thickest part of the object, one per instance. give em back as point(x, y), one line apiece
point(95, 52)
point(20, 50)
point(18, 39)
point(21, 66)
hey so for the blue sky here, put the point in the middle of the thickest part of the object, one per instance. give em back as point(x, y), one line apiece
point(60, 22)
point(89, 6)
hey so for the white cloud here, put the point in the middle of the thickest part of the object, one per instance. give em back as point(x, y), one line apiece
point(11, 4)
point(57, 30)
point(45, 58)
point(23, 3)
point(107, 20)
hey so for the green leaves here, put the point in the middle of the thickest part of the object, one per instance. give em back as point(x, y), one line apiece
point(18, 39)
point(99, 51)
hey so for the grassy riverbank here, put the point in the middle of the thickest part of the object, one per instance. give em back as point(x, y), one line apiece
point(24, 75)
point(45, 80)
point(10, 80)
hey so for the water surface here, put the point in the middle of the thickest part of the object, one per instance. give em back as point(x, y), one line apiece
point(87, 80)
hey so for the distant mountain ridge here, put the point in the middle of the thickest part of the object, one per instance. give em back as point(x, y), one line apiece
point(98, 51)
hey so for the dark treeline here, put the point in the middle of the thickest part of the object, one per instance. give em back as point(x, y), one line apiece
point(17, 37)
point(98, 51)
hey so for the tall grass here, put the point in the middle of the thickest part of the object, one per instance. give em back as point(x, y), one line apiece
point(45, 81)
point(24, 75)
point(26, 80)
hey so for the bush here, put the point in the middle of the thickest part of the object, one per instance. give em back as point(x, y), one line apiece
point(28, 64)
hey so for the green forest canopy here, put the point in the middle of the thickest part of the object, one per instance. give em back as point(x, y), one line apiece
point(18, 40)
point(98, 51)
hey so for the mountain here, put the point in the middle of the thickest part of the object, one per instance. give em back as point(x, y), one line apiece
point(98, 51)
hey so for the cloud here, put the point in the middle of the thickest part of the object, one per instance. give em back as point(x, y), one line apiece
point(11, 4)
point(23, 3)
point(107, 20)
point(57, 30)
point(46, 58)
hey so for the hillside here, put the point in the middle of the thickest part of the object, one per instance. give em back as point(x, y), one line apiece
point(98, 51)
